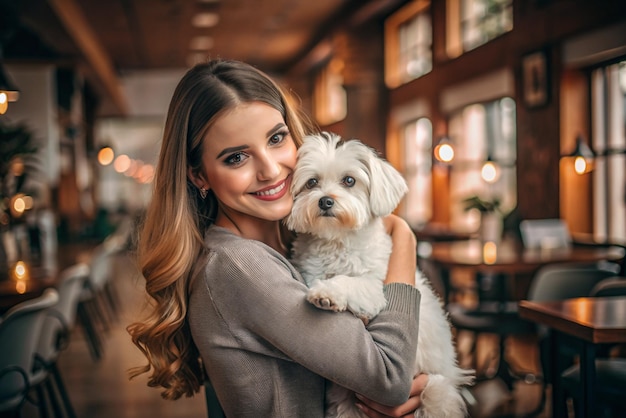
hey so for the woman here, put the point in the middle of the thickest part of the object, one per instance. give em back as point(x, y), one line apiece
point(214, 256)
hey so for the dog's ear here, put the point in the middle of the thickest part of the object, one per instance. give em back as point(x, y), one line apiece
point(387, 186)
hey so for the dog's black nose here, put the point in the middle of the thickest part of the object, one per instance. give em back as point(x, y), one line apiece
point(326, 202)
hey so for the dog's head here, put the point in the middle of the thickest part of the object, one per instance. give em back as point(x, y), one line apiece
point(341, 185)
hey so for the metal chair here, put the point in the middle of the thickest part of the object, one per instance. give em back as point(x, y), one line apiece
point(214, 409)
point(55, 336)
point(613, 286)
point(20, 330)
point(98, 305)
point(553, 282)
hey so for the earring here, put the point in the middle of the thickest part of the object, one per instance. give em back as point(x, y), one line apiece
point(203, 193)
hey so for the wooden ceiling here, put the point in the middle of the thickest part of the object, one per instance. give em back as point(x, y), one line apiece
point(109, 37)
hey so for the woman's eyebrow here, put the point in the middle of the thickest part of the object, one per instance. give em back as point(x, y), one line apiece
point(231, 150)
point(275, 128)
point(242, 147)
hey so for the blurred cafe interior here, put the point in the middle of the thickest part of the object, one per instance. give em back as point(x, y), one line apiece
point(507, 118)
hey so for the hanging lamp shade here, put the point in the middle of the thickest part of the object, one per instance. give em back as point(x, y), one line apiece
point(8, 87)
point(583, 156)
point(582, 150)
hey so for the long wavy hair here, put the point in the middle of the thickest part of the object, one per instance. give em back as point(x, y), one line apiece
point(171, 239)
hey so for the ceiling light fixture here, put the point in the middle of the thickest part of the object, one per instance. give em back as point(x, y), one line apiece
point(196, 58)
point(8, 91)
point(201, 43)
point(205, 20)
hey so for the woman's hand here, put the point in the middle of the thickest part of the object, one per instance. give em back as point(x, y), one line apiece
point(406, 410)
point(403, 260)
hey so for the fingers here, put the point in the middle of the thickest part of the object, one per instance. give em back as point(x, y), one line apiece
point(419, 383)
point(376, 410)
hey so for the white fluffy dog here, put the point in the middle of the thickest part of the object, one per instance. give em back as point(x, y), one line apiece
point(341, 190)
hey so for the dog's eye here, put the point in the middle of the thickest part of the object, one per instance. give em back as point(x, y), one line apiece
point(311, 183)
point(348, 181)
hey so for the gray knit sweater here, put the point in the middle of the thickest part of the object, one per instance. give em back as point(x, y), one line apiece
point(267, 351)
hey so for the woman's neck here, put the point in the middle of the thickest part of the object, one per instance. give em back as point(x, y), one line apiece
point(268, 232)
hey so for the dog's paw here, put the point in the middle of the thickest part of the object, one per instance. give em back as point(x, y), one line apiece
point(321, 296)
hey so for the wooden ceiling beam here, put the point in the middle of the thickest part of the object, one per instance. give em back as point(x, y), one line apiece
point(70, 14)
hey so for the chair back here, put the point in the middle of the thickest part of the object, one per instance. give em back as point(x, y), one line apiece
point(100, 267)
point(545, 233)
point(613, 286)
point(46, 223)
point(564, 281)
point(60, 320)
point(214, 409)
point(20, 329)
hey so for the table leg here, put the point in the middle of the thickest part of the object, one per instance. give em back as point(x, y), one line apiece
point(588, 378)
point(556, 368)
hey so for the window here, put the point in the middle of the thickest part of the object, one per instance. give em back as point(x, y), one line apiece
point(609, 141)
point(417, 164)
point(481, 133)
point(330, 96)
point(472, 23)
point(408, 44)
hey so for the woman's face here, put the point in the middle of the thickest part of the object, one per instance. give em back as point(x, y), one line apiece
point(248, 157)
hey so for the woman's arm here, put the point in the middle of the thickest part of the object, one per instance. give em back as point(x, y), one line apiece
point(402, 267)
point(403, 260)
point(376, 410)
point(243, 282)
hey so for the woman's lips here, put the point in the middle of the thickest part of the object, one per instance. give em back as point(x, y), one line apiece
point(273, 192)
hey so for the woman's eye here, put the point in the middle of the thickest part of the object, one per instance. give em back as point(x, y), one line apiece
point(278, 137)
point(311, 183)
point(235, 159)
point(348, 181)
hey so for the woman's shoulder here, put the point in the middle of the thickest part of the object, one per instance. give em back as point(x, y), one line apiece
point(225, 247)
point(242, 258)
point(220, 240)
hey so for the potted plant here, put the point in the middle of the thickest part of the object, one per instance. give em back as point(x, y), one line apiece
point(491, 216)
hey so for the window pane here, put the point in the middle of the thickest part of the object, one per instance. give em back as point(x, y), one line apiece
point(609, 140)
point(330, 96)
point(418, 148)
point(415, 54)
point(484, 20)
point(482, 132)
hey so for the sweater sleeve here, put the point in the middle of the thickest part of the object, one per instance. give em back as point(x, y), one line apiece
point(258, 290)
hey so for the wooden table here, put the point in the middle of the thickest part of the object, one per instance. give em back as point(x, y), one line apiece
point(583, 323)
point(14, 291)
point(510, 257)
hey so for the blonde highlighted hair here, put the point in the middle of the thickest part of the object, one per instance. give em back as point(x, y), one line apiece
point(171, 240)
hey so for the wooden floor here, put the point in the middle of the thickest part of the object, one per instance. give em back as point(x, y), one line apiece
point(102, 389)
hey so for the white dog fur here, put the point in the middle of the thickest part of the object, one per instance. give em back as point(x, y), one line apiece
point(341, 190)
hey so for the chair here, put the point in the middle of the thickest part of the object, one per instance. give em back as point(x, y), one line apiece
point(55, 334)
point(613, 286)
point(545, 233)
point(98, 305)
point(553, 282)
point(214, 409)
point(20, 330)
point(610, 372)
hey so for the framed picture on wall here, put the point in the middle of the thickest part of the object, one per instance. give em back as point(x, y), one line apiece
point(535, 79)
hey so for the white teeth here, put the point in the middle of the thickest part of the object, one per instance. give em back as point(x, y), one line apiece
point(272, 192)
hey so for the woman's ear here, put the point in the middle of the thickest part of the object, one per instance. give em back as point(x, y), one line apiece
point(197, 179)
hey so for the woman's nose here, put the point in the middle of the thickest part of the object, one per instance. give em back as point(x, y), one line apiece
point(269, 168)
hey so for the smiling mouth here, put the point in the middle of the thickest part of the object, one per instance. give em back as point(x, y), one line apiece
point(272, 191)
